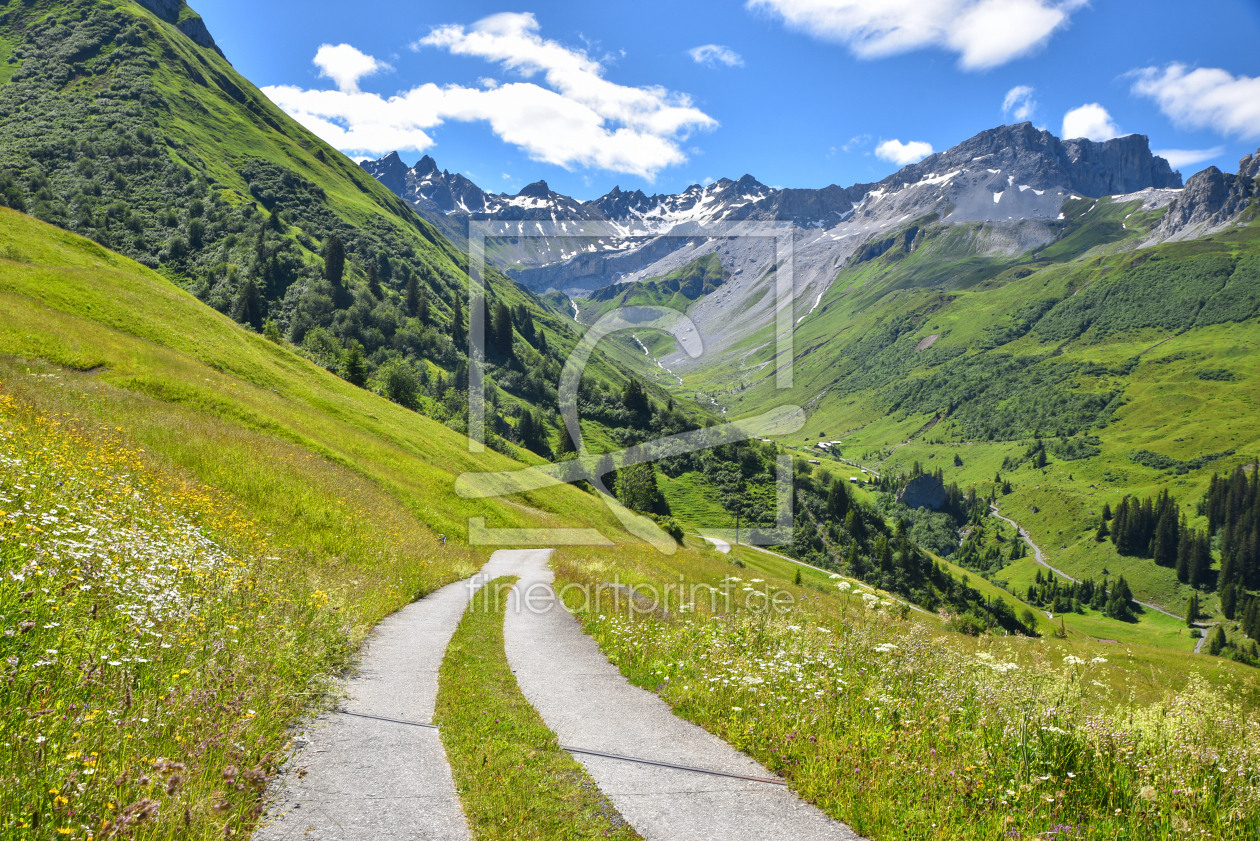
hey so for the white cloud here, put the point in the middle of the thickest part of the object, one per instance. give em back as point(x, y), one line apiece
point(1206, 97)
point(713, 54)
point(903, 153)
point(854, 142)
point(1178, 158)
point(1019, 103)
point(1090, 121)
point(984, 33)
point(346, 66)
point(578, 119)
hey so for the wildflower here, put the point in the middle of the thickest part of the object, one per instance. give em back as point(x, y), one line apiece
point(1148, 793)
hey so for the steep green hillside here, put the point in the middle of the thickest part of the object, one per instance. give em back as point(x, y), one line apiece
point(1129, 371)
point(117, 125)
point(212, 524)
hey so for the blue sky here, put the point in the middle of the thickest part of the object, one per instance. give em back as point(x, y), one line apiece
point(799, 93)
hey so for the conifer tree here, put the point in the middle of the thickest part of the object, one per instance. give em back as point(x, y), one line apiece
point(374, 281)
point(837, 501)
point(1217, 644)
point(1229, 601)
point(458, 334)
point(1106, 515)
point(635, 399)
point(412, 300)
point(499, 332)
point(1192, 609)
point(334, 260)
point(566, 442)
point(1103, 531)
point(353, 368)
point(248, 306)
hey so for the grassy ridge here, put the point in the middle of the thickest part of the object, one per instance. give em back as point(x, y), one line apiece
point(513, 779)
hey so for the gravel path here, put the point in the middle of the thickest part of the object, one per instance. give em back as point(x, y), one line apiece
point(719, 544)
point(355, 778)
point(588, 704)
point(1040, 558)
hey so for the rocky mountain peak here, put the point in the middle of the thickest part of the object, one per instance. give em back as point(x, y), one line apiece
point(1037, 158)
point(390, 171)
point(191, 24)
point(538, 190)
point(1211, 199)
point(425, 166)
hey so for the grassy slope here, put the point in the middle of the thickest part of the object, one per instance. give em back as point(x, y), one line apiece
point(166, 362)
point(889, 739)
point(1168, 409)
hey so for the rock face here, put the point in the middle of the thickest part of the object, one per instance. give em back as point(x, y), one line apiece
point(1041, 160)
point(924, 491)
point(177, 13)
point(1211, 200)
point(1036, 162)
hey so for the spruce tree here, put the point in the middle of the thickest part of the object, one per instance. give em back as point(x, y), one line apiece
point(374, 281)
point(566, 442)
point(837, 501)
point(353, 368)
point(458, 334)
point(1106, 515)
point(248, 306)
point(499, 332)
point(635, 399)
point(412, 301)
point(1229, 601)
point(1167, 536)
point(1192, 609)
point(1101, 534)
point(334, 260)
point(1217, 644)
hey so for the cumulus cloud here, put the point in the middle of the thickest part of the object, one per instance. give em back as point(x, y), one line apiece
point(903, 153)
point(346, 66)
point(1090, 121)
point(984, 33)
point(1178, 158)
point(714, 54)
point(1206, 97)
point(1019, 103)
point(574, 118)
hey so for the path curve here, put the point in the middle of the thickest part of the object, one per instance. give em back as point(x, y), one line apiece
point(1040, 558)
point(719, 544)
point(587, 703)
point(354, 778)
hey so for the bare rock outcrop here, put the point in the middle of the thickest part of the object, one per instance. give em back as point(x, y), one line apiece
point(1211, 200)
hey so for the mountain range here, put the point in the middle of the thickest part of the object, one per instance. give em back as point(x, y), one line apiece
point(1001, 174)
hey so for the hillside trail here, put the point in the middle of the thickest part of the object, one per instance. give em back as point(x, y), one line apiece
point(1040, 557)
point(357, 775)
point(589, 704)
point(375, 768)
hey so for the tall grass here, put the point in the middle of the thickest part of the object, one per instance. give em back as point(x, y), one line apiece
point(512, 777)
point(157, 642)
point(906, 731)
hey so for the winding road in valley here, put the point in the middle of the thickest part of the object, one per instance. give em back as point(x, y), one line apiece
point(1041, 559)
